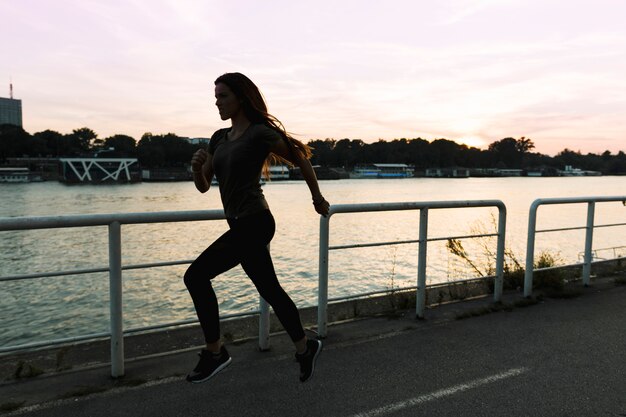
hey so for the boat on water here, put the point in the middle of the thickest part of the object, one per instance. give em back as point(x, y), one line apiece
point(14, 175)
point(382, 171)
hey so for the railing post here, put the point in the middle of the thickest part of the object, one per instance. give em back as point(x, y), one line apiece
point(264, 322)
point(530, 249)
point(115, 300)
point(591, 206)
point(322, 297)
point(499, 282)
point(264, 325)
point(420, 299)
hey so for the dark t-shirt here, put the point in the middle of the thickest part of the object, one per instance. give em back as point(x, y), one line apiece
point(237, 165)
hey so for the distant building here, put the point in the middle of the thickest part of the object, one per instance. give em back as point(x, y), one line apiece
point(10, 111)
point(198, 141)
point(447, 172)
point(279, 172)
point(382, 171)
point(577, 172)
point(14, 175)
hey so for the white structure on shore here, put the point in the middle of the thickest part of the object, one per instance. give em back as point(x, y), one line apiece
point(96, 169)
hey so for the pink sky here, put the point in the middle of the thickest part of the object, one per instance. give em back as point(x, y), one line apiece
point(472, 71)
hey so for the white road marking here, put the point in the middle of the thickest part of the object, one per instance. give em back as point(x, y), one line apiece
point(441, 393)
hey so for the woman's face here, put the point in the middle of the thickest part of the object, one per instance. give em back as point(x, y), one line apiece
point(226, 101)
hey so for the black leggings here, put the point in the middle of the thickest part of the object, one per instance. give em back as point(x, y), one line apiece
point(246, 244)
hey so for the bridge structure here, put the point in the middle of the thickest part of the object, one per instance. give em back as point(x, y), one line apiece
point(96, 170)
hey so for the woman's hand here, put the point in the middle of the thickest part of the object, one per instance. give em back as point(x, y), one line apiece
point(197, 160)
point(321, 205)
point(202, 168)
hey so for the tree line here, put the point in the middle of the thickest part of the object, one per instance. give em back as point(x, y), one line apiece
point(170, 150)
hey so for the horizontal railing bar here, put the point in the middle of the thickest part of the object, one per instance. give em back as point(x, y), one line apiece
point(92, 270)
point(435, 239)
point(54, 274)
point(369, 207)
point(367, 245)
point(402, 242)
point(156, 264)
point(579, 227)
point(609, 225)
point(84, 220)
point(574, 200)
point(560, 229)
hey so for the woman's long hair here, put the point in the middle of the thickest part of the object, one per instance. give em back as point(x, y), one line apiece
point(255, 109)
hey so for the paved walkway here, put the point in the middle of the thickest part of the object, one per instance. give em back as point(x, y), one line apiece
point(555, 358)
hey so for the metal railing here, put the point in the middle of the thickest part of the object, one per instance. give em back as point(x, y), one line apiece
point(423, 207)
point(618, 251)
point(115, 268)
point(590, 226)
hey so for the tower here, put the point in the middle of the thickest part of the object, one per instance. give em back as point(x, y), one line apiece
point(10, 109)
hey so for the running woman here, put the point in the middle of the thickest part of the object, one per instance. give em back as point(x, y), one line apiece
point(237, 156)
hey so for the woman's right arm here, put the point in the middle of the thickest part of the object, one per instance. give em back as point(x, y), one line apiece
point(202, 169)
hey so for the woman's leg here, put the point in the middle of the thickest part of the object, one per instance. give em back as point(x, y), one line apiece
point(221, 256)
point(254, 234)
point(257, 263)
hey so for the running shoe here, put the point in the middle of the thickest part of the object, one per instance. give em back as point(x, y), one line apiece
point(209, 365)
point(308, 358)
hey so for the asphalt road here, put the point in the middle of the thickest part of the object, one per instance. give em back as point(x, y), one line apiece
point(556, 358)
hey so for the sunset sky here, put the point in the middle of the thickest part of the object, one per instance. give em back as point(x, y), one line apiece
point(473, 71)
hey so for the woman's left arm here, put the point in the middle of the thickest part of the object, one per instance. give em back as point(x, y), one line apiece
point(281, 149)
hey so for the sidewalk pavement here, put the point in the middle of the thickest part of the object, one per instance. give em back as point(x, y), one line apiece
point(558, 357)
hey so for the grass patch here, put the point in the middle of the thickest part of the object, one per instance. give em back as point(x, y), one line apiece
point(481, 261)
point(11, 406)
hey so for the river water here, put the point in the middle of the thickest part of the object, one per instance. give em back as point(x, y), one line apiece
point(42, 309)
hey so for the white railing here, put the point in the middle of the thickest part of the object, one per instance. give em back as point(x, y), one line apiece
point(423, 207)
point(588, 256)
point(115, 268)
